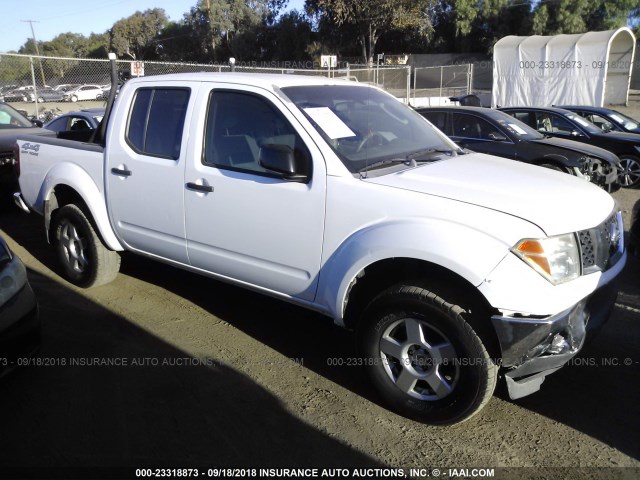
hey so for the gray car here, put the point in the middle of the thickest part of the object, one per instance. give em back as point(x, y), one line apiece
point(87, 119)
point(19, 320)
point(45, 95)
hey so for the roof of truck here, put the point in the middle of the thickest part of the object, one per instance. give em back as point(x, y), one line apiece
point(265, 80)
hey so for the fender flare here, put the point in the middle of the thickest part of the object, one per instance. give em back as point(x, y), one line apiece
point(401, 239)
point(77, 179)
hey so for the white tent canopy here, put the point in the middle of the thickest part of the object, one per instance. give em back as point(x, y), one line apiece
point(592, 68)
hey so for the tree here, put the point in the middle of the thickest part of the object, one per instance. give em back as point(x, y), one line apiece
point(499, 18)
point(288, 38)
point(136, 35)
point(228, 18)
point(578, 16)
point(373, 18)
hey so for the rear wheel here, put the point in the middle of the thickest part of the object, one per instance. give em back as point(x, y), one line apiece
point(424, 358)
point(85, 260)
point(629, 175)
point(40, 100)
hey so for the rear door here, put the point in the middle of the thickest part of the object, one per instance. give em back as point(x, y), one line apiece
point(243, 222)
point(145, 170)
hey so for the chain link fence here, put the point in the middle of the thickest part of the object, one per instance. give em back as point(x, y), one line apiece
point(431, 84)
point(35, 84)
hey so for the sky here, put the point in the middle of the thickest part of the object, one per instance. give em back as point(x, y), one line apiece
point(53, 17)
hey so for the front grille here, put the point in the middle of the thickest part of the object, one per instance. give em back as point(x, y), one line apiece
point(601, 247)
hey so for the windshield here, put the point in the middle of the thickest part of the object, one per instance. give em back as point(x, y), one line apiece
point(10, 118)
point(585, 124)
point(366, 126)
point(624, 121)
point(516, 127)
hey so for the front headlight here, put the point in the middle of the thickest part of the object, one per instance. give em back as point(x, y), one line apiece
point(555, 258)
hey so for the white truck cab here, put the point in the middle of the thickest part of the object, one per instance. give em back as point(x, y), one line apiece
point(450, 266)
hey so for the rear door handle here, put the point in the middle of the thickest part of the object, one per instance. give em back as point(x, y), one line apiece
point(122, 172)
point(199, 188)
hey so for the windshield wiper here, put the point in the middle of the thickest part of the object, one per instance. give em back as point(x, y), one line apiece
point(413, 159)
point(433, 151)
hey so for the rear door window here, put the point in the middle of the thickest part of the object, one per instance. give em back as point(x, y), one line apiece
point(470, 126)
point(156, 121)
point(439, 120)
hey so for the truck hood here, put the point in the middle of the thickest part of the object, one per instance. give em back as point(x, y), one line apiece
point(554, 201)
point(580, 147)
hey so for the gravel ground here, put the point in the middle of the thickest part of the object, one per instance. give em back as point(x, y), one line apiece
point(213, 375)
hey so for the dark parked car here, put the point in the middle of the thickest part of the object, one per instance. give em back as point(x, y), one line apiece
point(605, 118)
point(12, 124)
point(557, 122)
point(19, 320)
point(15, 96)
point(81, 120)
point(493, 132)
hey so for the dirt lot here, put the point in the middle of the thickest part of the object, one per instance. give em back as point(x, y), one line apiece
point(212, 375)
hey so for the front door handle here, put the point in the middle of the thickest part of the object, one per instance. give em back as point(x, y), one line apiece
point(122, 172)
point(199, 188)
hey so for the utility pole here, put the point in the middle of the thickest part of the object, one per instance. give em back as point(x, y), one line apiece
point(35, 42)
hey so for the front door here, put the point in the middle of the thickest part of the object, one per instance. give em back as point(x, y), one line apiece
point(242, 221)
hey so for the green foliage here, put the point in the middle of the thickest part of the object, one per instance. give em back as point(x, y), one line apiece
point(136, 36)
point(373, 18)
point(256, 30)
point(578, 16)
point(288, 39)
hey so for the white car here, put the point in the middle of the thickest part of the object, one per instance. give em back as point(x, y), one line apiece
point(85, 92)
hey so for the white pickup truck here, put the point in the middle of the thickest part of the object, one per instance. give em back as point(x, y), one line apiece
point(453, 268)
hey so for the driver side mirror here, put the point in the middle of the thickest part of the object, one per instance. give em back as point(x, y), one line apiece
point(282, 159)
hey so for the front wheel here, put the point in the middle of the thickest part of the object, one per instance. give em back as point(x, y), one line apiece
point(85, 260)
point(629, 175)
point(424, 358)
point(74, 98)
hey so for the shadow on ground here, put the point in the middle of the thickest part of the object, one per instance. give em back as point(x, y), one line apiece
point(182, 414)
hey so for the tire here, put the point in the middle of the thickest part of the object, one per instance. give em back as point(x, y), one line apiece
point(85, 260)
point(40, 100)
point(630, 175)
point(74, 98)
point(423, 357)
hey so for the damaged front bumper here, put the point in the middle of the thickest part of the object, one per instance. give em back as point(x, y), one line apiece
point(533, 348)
point(599, 172)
